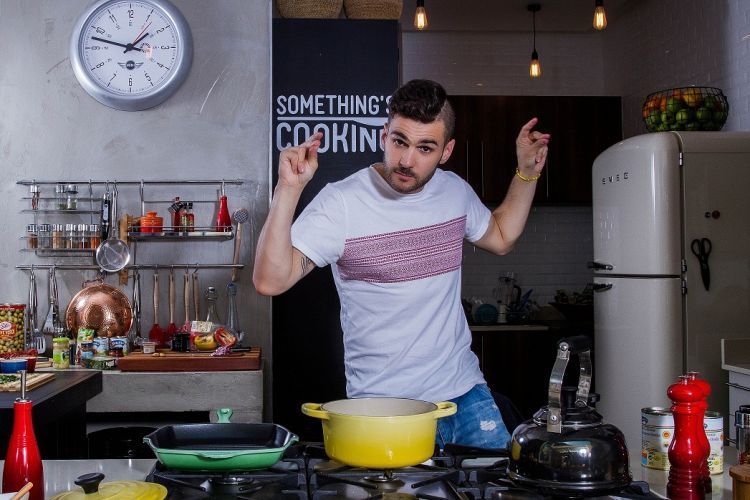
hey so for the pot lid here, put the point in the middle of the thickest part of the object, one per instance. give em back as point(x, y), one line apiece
point(114, 490)
point(572, 417)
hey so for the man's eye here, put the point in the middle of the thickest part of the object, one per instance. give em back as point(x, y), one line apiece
point(399, 142)
point(425, 149)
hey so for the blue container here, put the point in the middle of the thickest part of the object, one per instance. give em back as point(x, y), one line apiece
point(12, 365)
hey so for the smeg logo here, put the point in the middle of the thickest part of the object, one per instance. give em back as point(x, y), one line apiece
point(621, 176)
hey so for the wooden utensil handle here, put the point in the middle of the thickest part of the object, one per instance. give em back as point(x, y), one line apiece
point(237, 247)
point(196, 297)
point(156, 298)
point(171, 297)
point(186, 297)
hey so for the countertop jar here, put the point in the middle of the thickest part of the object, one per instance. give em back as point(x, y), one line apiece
point(742, 425)
point(61, 353)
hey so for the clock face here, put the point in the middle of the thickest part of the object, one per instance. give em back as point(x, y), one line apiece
point(131, 54)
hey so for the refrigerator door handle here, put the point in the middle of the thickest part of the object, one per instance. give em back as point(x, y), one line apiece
point(601, 287)
point(600, 266)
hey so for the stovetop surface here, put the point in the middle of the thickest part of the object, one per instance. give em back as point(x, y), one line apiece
point(305, 472)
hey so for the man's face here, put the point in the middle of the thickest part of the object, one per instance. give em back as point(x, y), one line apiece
point(413, 150)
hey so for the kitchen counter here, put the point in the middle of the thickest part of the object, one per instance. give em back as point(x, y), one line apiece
point(59, 412)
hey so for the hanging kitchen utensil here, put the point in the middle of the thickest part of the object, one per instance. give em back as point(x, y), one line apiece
point(156, 334)
point(105, 220)
point(196, 295)
point(701, 248)
point(115, 490)
point(35, 339)
point(223, 446)
point(379, 433)
point(123, 225)
point(566, 449)
point(240, 216)
point(186, 301)
point(51, 326)
point(171, 328)
point(101, 307)
point(113, 254)
point(135, 334)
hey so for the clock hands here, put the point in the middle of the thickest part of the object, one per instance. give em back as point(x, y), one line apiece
point(128, 46)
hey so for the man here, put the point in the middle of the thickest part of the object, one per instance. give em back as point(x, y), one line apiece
point(393, 234)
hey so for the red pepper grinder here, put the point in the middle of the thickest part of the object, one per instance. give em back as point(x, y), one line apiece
point(223, 221)
point(686, 452)
point(705, 388)
point(23, 462)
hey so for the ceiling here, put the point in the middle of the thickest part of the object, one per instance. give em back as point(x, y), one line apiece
point(509, 15)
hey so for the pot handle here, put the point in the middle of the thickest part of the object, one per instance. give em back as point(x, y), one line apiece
point(224, 415)
point(445, 409)
point(580, 345)
point(313, 410)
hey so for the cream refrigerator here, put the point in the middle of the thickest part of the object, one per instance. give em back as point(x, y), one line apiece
point(659, 312)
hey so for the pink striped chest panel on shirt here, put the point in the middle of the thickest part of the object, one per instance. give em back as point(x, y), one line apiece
point(404, 255)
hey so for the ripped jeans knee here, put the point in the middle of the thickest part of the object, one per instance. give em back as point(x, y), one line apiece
point(476, 423)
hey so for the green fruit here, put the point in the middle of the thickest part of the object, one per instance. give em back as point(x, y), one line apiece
point(667, 117)
point(692, 126)
point(674, 104)
point(703, 114)
point(683, 116)
point(720, 117)
point(709, 102)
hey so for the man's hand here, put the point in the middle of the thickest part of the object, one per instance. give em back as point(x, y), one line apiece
point(298, 164)
point(531, 149)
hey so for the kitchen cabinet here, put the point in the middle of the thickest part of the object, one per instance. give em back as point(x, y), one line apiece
point(486, 127)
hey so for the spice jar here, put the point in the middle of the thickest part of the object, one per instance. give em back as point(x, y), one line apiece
point(71, 197)
point(95, 237)
point(82, 236)
point(34, 193)
point(60, 201)
point(44, 235)
point(61, 353)
point(58, 237)
point(31, 236)
point(70, 235)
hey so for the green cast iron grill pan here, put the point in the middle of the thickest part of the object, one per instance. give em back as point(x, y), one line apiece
point(222, 446)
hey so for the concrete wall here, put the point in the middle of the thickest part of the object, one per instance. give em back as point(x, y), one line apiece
point(216, 126)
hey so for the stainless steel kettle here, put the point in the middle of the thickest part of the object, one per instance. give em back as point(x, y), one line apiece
point(566, 448)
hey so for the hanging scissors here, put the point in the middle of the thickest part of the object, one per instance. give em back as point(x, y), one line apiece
point(702, 249)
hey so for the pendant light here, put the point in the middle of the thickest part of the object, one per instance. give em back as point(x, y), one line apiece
point(420, 16)
point(600, 17)
point(535, 69)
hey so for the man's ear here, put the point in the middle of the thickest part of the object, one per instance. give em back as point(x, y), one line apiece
point(447, 150)
point(383, 135)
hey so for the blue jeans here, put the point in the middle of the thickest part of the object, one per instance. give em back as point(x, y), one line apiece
point(476, 423)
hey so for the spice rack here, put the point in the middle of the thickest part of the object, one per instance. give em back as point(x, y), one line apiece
point(42, 245)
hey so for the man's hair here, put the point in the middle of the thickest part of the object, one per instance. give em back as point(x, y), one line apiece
point(424, 101)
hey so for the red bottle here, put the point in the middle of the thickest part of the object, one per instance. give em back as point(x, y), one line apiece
point(223, 221)
point(23, 462)
point(705, 388)
point(686, 452)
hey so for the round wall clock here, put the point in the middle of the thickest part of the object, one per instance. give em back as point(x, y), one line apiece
point(131, 54)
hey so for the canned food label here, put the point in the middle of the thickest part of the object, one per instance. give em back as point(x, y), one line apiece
point(713, 423)
point(119, 342)
point(11, 327)
point(101, 345)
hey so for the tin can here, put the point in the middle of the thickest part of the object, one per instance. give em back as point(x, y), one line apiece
point(713, 423)
point(101, 346)
point(120, 343)
point(657, 433)
point(86, 350)
point(657, 429)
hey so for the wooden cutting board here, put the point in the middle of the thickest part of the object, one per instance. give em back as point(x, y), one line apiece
point(168, 361)
point(33, 380)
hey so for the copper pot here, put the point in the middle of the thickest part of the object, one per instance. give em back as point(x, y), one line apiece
point(102, 307)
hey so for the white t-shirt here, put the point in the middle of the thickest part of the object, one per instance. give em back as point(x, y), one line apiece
point(396, 261)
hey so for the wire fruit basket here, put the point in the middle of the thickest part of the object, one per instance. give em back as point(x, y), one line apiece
point(685, 108)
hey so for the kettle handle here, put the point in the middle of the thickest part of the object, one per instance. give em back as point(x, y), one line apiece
point(580, 345)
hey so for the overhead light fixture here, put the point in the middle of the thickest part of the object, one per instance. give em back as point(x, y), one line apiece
point(535, 69)
point(600, 17)
point(420, 16)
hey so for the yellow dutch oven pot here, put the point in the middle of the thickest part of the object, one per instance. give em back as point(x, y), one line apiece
point(115, 490)
point(379, 433)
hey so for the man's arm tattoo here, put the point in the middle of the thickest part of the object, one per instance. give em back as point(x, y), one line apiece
point(306, 264)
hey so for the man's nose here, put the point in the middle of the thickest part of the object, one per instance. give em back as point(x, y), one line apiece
point(407, 158)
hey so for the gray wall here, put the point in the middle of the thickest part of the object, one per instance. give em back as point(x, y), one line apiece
point(216, 126)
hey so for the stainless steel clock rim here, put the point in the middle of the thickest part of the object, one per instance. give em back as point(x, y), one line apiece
point(134, 103)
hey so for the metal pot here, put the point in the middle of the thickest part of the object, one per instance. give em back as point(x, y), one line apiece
point(379, 433)
point(566, 449)
point(102, 307)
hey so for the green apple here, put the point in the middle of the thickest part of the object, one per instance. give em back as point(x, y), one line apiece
point(674, 104)
point(667, 117)
point(703, 114)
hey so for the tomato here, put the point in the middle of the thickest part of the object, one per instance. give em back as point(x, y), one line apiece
point(224, 337)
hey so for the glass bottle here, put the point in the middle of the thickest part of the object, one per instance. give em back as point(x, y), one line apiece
point(233, 318)
point(23, 462)
point(34, 192)
point(31, 236)
point(60, 202)
point(213, 313)
point(70, 235)
point(95, 238)
point(44, 232)
point(71, 197)
point(223, 221)
point(58, 237)
point(82, 236)
point(190, 217)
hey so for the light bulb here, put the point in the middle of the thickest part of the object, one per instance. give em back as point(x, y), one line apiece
point(535, 69)
point(420, 16)
point(600, 17)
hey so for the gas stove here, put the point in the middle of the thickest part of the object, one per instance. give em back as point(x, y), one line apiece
point(305, 472)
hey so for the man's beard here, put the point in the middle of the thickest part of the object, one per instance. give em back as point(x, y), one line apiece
point(389, 174)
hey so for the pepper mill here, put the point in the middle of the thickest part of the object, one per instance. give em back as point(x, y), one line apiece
point(705, 388)
point(23, 462)
point(686, 452)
